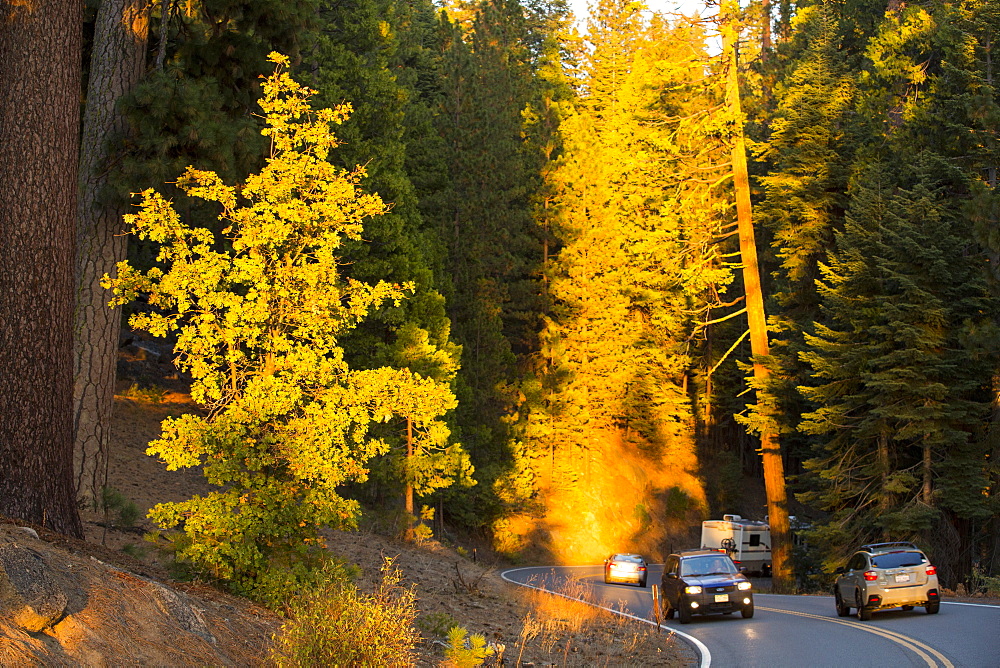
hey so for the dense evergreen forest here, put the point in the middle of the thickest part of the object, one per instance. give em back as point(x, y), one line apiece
point(540, 329)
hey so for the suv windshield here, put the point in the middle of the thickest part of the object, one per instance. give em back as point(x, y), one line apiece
point(708, 566)
point(897, 559)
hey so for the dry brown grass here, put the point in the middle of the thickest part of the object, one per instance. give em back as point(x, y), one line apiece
point(566, 629)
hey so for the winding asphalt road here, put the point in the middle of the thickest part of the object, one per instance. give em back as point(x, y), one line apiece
point(803, 631)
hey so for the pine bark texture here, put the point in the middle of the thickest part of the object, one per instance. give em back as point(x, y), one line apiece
point(40, 51)
point(774, 469)
point(116, 67)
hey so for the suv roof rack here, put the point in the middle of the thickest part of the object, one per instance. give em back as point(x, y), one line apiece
point(873, 547)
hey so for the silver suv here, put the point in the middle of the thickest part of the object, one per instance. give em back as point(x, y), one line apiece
point(886, 575)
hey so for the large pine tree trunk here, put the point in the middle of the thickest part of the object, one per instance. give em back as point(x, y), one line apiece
point(774, 469)
point(40, 50)
point(116, 66)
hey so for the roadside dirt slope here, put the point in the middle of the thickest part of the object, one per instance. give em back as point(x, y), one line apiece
point(122, 608)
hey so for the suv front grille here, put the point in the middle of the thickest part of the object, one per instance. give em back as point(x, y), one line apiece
point(722, 589)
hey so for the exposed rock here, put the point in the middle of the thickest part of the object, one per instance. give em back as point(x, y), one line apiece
point(178, 606)
point(116, 617)
point(28, 592)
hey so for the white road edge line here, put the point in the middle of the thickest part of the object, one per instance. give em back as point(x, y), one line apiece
point(943, 601)
point(706, 655)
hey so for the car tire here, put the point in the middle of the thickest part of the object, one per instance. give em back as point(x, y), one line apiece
point(932, 607)
point(642, 583)
point(747, 611)
point(843, 610)
point(683, 611)
point(864, 614)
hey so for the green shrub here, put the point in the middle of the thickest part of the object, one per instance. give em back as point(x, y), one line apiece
point(134, 551)
point(981, 583)
point(113, 501)
point(436, 623)
point(337, 625)
point(152, 394)
point(276, 585)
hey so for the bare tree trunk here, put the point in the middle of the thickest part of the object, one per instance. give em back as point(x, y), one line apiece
point(408, 493)
point(765, 29)
point(161, 52)
point(116, 67)
point(883, 469)
point(40, 51)
point(927, 490)
point(774, 470)
point(992, 561)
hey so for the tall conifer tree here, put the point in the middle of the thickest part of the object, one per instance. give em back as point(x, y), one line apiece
point(635, 263)
point(117, 65)
point(483, 211)
point(900, 365)
point(40, 54)
point(808, 155)
point(921, 396)
point(368, 53)
point(198, 104)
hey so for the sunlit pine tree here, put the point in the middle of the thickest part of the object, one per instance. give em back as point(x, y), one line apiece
point(637, 259)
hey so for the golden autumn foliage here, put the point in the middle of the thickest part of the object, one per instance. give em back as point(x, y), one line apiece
point(257, 316)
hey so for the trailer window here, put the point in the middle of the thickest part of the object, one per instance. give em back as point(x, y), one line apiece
point(754, 539)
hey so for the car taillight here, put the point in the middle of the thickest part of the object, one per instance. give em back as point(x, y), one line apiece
point(931, 570)
point(871, 576)
point(642, 568)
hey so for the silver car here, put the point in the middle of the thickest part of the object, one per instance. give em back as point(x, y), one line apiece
point(625, 568)
point(886, 575)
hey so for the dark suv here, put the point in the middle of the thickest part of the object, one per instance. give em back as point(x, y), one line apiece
point(701, 582)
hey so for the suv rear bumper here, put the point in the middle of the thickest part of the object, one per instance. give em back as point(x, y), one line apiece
point(894, 598)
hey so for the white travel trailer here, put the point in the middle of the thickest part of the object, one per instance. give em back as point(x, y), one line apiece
point(747, 542)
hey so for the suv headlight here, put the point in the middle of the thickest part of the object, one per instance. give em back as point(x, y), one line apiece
point(693, 589)
point(743, 586)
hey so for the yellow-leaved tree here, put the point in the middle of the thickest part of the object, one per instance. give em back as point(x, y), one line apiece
point(257, 316)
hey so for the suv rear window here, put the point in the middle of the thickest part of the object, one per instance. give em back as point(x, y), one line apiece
point(633, 558)
point(897, 559)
